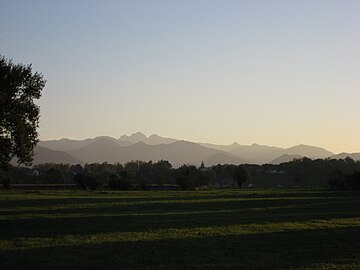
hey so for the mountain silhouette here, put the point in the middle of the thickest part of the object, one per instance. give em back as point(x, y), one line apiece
point(134, 138)
point(225, 158)
point(285, 158)
point(226, 148)
point(259, 154)
point(354, 156)
point(101, 150)
point(151, 140)
point(140, 147)
point(70, 145)
point(308, 151)
point(44, 155)
point(177, 153)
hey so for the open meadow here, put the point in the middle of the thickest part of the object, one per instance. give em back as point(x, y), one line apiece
point(216, 229)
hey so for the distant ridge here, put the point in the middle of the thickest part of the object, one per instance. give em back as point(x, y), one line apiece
point(354, 156)
point(221, 158)
point(44, 155)
point(177, 153)
point(308, 151)
point(138, 146)
point(70, 145)
point(134, 138)
point(285, 158)
point(226, 148)
point(151, 140)
point(258, 153)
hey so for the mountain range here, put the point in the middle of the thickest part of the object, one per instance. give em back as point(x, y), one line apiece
point(140, 147)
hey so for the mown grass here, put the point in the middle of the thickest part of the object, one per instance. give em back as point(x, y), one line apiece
point(217, 229)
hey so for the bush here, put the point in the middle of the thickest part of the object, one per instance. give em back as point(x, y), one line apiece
point(240, 175)
point(6, 183)
point(92, 182)
point(86, 181)
point(343, 182)
point(119, 182)
point(337, 181)
point(79, 179)
point(191, 178)
point(353, 180)
point(185, 183)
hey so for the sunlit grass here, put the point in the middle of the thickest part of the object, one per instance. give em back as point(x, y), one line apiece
point(166, 234)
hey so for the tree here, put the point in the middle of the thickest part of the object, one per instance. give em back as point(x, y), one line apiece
point(188, 177)
point(80, 180)
point(86, 181)
point(240, 175)
point(119, 181)
point(353, 180)
point(337, 180)
point(19, 115)
point(54, 176)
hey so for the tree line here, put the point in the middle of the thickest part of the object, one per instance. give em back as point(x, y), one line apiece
point(133, 174)
point(304, 172)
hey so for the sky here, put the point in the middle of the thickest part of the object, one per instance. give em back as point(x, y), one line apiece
point(279, 72)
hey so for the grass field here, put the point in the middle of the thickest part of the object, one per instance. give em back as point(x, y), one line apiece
point(218, 229)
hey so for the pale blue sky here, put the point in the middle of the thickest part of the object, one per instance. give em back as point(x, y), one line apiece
point(271, 72)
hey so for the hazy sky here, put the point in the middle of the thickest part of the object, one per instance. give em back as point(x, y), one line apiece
point(272, 72)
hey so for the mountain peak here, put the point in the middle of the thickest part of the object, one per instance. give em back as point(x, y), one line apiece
point(138, 133)
point(308, 151)
point(134, 138)
point(154, 136)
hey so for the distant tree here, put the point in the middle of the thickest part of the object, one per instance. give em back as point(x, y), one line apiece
point(92, 182)
point(299, 178)
point(188, 177)
point(19, 115)
point(145, 174)
point(184, 177)
point(162, 172)
point(349, 160)
point(76, 169)
point(54, 176)
point(119, 181)
point(240, 175)
point(6, 183)
point(337, 180)
point(86, 181)
point(80, 180)
point(353, 180)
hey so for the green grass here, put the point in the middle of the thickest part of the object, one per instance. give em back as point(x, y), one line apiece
point(218, 229)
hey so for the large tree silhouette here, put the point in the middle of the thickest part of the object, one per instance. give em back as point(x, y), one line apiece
point(19, 115)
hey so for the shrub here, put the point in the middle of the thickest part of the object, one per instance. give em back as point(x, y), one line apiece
point(337, 180)
point(119, 182)
point(86, 181)
point(353, 180)
point(79, 179)
point(92, 182)
point(342, 182)
point(6, 183)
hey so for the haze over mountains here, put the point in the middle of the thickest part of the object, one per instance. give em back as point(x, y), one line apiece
point(140, 147)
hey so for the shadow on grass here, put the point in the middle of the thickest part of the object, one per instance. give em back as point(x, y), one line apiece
point(285, 250)
point(88, 197)
point(126, 218)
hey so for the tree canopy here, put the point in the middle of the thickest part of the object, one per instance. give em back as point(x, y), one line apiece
point(241, 175)
point(19, 115)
